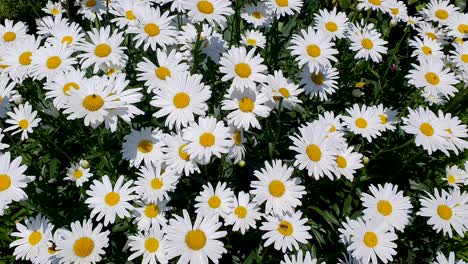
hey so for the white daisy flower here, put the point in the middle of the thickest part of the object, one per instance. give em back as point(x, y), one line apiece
point(347, 162)
point(256, 15)
point(278, 88)
point(459, 56)
point(144, 146)
point(454, 176)
point(127, 12)
point(107, 201)
point(388, 117)
point(151, 245)
point(253, 38)
point(11, 32)
point(92, 9)
point(275, 186)
point(368, 42)
point(23, 119)
point(50, 60)
point(58, 88)
point(18, 58)
point(426, 29)
point(154, 183)
point(426, 48)
point(237, 150)
point(321, 83)
point(377, 5)
point(363, 121)
point(283, 7)
point(331, 22)
point(149, 215)
point(439, 10)
point(76, 173)
point(397, 10)
point(457, 25)
point(215, 201)
point(69, 34)
point(54, 9)
point(457, 133)
point(244, 213)
point(331, 122)
point(441, 259)
point(212, 11)
point(176, 157)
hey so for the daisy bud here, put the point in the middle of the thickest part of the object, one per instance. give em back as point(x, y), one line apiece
point(18, 100)
point(393, 22)
point(242, 163)
point(365, 160)
point(84, 164)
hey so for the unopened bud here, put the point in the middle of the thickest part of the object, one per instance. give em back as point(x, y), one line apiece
point(365, 160)
point(84, 164)
point(242, 163)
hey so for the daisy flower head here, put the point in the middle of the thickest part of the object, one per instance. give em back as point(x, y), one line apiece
point(176, 157)
point(426, 48)
point(454, 176)
point(102, 49)
point(151, 214)
point(283, 7)
point(459, 56)
point(439, 11)
point(245, 69)
point(331, 122)
point(368, 42)
point(347, 162)
point(388, 117)
point(154, 183)
point(370, 241)
point(169, 64)
point(50, 60)
point(216, 201)
point(275, 186)
point(300, 259)
point(256, 15)
point(363, 121)
point(286, 231)
point(144, 145)
point(58, 88)
point(22, 119)
point(76, 173)
point(441, 259)
point(457, 25)
point(107, 201)
point(212, 11)
point(70, 34)
point(151, 245)
point(429, 129)
point(376, 5)
point(92, 9)
point(18, 58)
point(331, 22)
point(237, 150)
point(280, 89)
point(47, 24)
point(397, 10)
point(83, 244)
point(54, 9)
point(253, 38)
point(243, 214)
point(426, 29)
point(446, 211)
point(153, 29)
point(313, 48)
point(385, 204)
point(180, 98)
point(315, 150)
point(321, 83)
point(413, 21)
point(432, 76)
point(245, 107)
point(11, 32)
point(457, 133)
point(206, 138)
point(194, 242)
point(127, 12)
point(32, 238)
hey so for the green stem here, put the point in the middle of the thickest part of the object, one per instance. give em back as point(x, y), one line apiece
point(395, 148)
point(196, 49)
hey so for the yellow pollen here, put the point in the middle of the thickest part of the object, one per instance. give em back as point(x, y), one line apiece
point(384, 207)
point(463, 28)
point(67, 39)
point(257, 14)
point(367, 43)
point(23, 124)
point(90, 3)
point(395, 11)
point(151, 245)
point(145, 146)
point(442, 14)
point(9, 36)
point(35, 237)
point(240, 211)
point(361, 122)
point(152, 29)
point(318, 78)
point(162, 73)
point(195, 239)
point(112, 198)
point(332, 128)
point(55, 11)
point(375, 2)
point(451, 179)
point(243, 70)
point(383, 119)
point(251, 42)
point(207, 139)
point(83, 247)
point(102, 50)
point(93, 102)
point(341, 162)
point(53, 62)
point(426, 129)
point(151, 210)
point(246, 105)
point(276, 188)
point(237, 137)
point(77, 174)
point(25, 58)
point(285, 228)
point(68, 86)
point(449, 130)
point(313, 152)
point(284, 92)
point(5, 182)
point(282, 3)
point(432, 78)
point(157, 183)
point(129, 15)
point(370, 239)
point(331, 26)
point(214, 202)
point(431, 35)
point(426, 50)
point(183, 154)
point(464, 58)
point(444, 212)
point(313, 50)
point(181, 100)
point(205, 7)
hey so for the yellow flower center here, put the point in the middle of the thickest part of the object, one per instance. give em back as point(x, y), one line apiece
point(431, 35)
point(395, 11)
point(243, 70)
point(464, 58)
point(90, 3)
point(237, 138)
point(55, 11)
point(246, 105)
point(83, 247)
point(151, 210)
point(145, 146)
point(442, 14)
point(9, 36)
point(240, 211)
point(53, 62)
point(361, 122)
point(162, 73)
point(426, 50)
point(93, 102)
point(151, 245)
point(384, 207)
point(341, 162)
point(313, 50)
point(183, 154)
point(426, 129)
point(451, 179)
point(205, 7)
point(332, 129)
point(77, 174)
point(251, 42)
point(102, 50)
point(68, 86)
point(156, 183)
point(23, 124)
point(129, 15)
point(463, 28)
point(314, 152)
point(67, 39)
point(195, 239)
point(282, 3)
point(276, 188)
point(375, 2)
point(284, 92)
point(5, 182)
point(444, 212)
point(257, 14)
point(25, 58)
point(370, 239)
point(367, 43)
point(383, 119)
point(181, 100)
point(318, 78)
point(35, 237)
point(331, 26)
point(112, 198)
point(214, 202)
point(207, 139)
point(285, 228)
point(152, 29)
point(432, 78)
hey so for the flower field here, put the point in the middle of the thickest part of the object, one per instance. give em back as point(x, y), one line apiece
point(247, 131)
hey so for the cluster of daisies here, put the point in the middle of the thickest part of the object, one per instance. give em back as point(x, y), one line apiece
point(83, 75)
